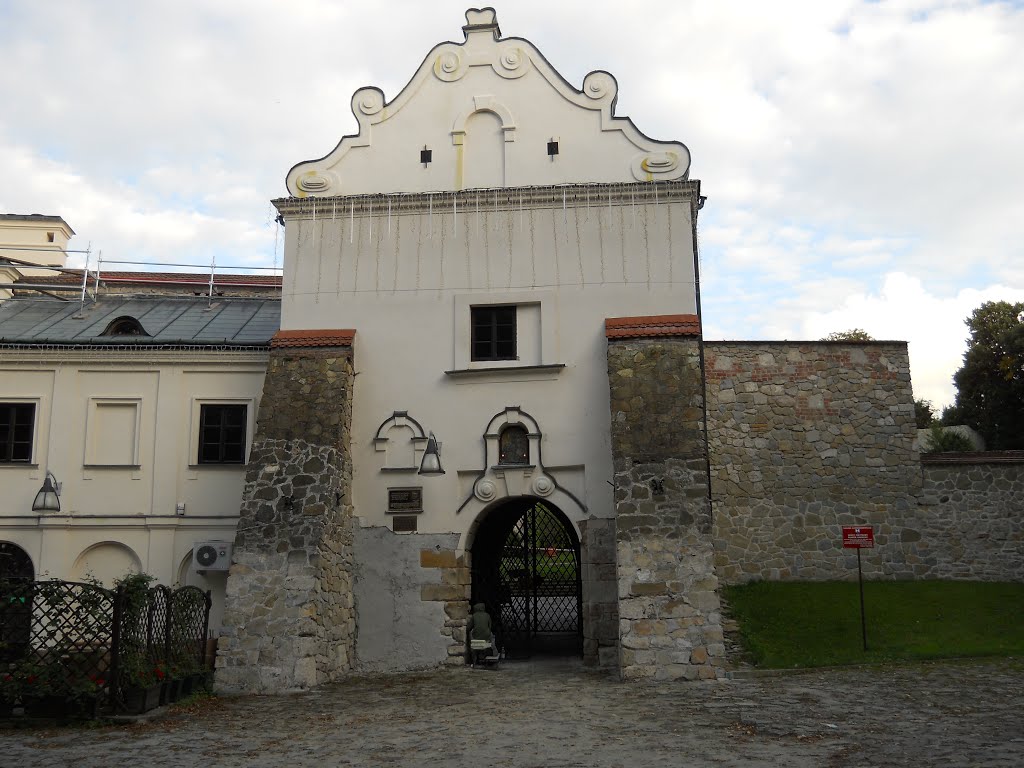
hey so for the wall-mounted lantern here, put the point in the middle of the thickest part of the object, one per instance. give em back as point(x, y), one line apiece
point(426, 155)
point(48, 498)
point(431, 463)
point(552, 149)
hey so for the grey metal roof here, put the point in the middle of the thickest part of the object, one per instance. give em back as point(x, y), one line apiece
point(168, 321)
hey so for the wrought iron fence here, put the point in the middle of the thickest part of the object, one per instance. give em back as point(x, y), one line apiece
point(75, 641)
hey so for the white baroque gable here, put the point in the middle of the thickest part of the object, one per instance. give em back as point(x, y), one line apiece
point(486, 110)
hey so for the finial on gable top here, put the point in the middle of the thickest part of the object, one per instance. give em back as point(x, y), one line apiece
point(482, 20)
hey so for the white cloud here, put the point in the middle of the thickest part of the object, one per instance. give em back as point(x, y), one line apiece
point(900, 308)
point(839, 143)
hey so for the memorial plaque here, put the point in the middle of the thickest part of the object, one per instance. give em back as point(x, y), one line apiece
point(405, 499)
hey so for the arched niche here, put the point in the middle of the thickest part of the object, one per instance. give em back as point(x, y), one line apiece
point(106, 562)
point(401, 440)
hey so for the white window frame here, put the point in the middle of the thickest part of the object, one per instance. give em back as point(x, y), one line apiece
point(33, 459)
point(534, 346)
point(195, 421)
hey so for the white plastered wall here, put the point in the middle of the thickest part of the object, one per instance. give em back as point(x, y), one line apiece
point(124, 516)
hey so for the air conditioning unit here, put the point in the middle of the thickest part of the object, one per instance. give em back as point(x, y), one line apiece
point(211, 556)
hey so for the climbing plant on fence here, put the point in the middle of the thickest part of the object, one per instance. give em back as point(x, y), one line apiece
point(73, 641)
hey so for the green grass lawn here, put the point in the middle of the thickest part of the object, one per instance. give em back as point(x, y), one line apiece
point(808, 624)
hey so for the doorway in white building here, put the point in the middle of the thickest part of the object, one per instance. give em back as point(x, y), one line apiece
point(526, 570)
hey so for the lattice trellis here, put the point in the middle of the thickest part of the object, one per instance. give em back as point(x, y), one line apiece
point(73, 640)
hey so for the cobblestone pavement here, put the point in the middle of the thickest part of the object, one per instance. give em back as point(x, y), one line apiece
point(558, 715)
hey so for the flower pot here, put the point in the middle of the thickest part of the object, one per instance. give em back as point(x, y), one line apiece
point(171, 692)
point(139, 700)
point(48, 706)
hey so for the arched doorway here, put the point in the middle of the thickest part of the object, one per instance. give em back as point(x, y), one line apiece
point(16, 574)
point(526, 570)
point(15, 563)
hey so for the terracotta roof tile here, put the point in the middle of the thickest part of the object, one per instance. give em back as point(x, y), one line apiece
point(342, 337)
point(649, 326)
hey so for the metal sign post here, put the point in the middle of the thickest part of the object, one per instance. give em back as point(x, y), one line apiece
point(860, 537)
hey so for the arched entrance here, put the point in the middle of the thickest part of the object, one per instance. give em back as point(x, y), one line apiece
point(526, 570)
point(16, 573)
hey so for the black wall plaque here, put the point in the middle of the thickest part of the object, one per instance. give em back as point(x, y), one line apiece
point(405, 499)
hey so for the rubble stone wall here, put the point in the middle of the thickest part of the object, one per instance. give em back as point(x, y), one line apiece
point(289, 619)
point(969, 522)
point(805, 438)
point(669, 610)
point(600, 593)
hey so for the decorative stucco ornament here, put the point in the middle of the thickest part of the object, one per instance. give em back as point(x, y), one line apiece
point(449, 66)
point(543, 485)
point(512, 62)
point(600, 85)
point(485, 490)
point(316, 183)
point(489, 75)
point(655, 166)
point(369, 101)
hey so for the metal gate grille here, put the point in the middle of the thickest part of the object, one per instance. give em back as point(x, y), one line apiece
point(530, 581)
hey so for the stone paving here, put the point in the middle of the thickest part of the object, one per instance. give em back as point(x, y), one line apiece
point(558, 715)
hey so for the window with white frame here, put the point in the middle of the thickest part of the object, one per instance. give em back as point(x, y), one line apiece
point(17, 429)
point(223, 429)
point(493, 333)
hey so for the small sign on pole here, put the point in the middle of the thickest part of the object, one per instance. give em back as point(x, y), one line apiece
point(860, 537)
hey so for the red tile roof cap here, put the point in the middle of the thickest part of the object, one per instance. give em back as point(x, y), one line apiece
point(342, 337)
point(649, 326)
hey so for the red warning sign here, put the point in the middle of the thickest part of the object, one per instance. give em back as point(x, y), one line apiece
point(858, 537)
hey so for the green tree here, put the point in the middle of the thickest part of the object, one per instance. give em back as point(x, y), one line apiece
point(990, 383)
point(853, 334)
point(924, 413)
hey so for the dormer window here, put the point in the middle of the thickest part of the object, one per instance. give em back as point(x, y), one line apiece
point(514, 446)
point(125, 326)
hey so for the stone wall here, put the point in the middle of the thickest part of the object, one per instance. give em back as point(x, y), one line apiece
point(969, 522)
point(289, 619)
point(806, 438)
point(669, 612)
point(600, 593)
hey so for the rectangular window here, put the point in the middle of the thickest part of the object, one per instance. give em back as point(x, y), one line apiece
point(222, 434)
point(17, 421)
point(494, 333)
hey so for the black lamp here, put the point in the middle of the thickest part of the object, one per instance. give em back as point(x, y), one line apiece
point(48, 498)
point(431, 464)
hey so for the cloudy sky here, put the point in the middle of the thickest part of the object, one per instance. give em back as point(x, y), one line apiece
point(862, 160)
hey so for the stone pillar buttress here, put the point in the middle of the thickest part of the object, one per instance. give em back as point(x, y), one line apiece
point(669, 610)
point(289, 620)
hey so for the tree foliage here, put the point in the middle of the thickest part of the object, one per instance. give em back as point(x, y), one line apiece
point(924, 413)
point(990, 383)
point(853, 334)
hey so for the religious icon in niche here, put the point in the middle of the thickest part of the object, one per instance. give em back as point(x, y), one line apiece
point(514, 446)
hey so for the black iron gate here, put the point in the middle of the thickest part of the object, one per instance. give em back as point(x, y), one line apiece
point(526, 570)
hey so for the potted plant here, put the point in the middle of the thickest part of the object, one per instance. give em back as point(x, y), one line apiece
point(143, 687)
point(40, 690)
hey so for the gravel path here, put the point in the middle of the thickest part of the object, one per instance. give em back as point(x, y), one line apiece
point(557, 714)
